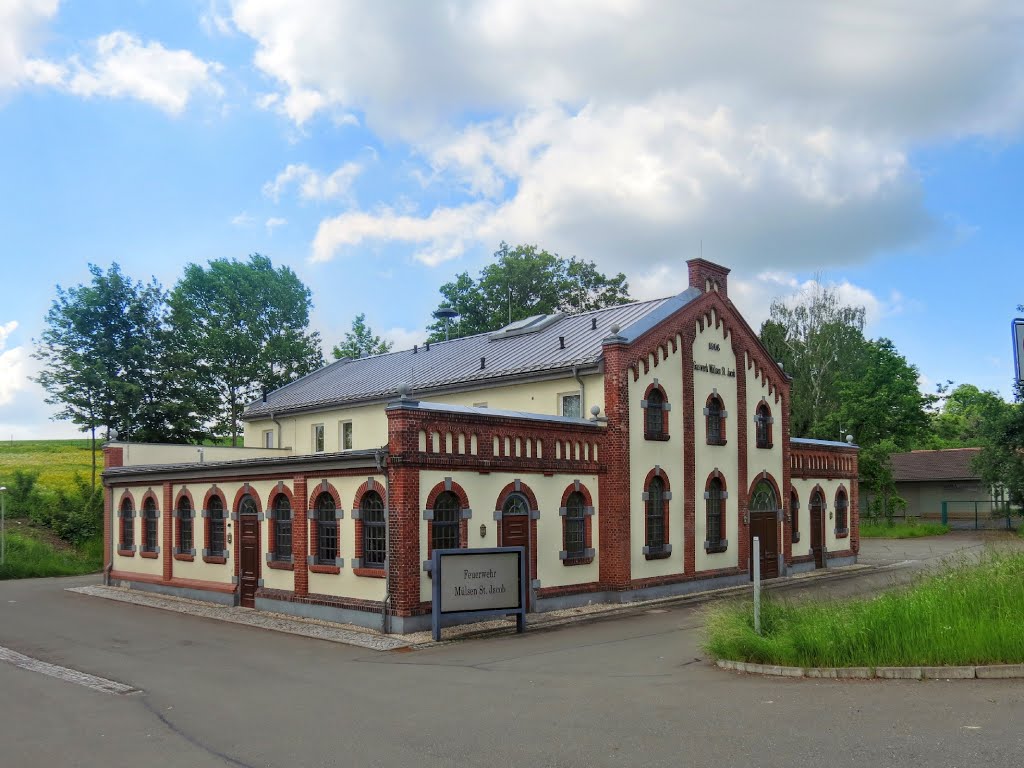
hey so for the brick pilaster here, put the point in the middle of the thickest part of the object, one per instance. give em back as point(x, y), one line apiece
point(300, 534)
point(689, 455)
point(112, 457)
point(168, 543)
point(743, 370)
point(787, 480)
point(614, 490)
point(404, 567)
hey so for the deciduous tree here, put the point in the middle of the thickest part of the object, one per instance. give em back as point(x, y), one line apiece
point(360, 341)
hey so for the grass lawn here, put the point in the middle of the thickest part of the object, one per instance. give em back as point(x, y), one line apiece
point(32, 553)
point(901, 530)
point(968, 614)
point(55, 460)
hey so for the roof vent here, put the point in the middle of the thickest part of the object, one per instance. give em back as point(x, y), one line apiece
point(561, 342)
point(527, 325)
point(593, 323)
point(482, 363)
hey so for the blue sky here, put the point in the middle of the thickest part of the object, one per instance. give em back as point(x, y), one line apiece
point(379, 149)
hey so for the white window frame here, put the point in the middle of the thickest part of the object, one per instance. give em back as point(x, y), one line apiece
point(268, 438)
point(319, 437)
point(563, 396)
point(341, 435)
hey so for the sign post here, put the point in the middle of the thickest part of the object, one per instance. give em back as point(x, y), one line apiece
point(478, 583)
point(1018, 349)
point(757, 585)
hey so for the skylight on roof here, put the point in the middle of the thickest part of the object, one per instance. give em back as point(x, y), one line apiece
point(527, 325)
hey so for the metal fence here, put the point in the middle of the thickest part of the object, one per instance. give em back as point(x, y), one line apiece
point(980, 514)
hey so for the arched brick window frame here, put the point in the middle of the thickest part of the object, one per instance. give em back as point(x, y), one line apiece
point(842, 512)
point(716, 494)
point(657, 483)
point(714, 419)
point(323, 491)
point(280, 527)
point(149, 511)
point(656, 409)
point(763, 425)
point(758, 479)
point(818, 497)
point(361, 563)
point(518, 487)
point(126, 530)
point(465, 514)
point(184, 526)
point(794, 513)
point(215, 527)
point(582, 516)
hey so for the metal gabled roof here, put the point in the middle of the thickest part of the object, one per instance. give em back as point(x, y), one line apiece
point(456, 362)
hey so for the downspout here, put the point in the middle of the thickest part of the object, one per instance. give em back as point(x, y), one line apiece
point(380, 458)
point(583, 399)
point(280, 429)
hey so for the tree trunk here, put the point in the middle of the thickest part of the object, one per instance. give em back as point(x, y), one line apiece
point(93, 429)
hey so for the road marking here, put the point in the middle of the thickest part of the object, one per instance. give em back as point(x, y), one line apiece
point(63, 673)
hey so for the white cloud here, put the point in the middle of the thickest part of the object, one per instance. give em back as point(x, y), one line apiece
point(312, 184)
point(273, 223)
point(123, 66)
point(242, 220)
point(13, 365)
point(776, 133)
point(404, 338)
point(21, 26)
point(215, 21)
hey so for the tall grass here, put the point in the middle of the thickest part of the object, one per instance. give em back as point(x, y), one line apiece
point(901, 530)
point(29, 558)
point(56, 461)
point(969, 614)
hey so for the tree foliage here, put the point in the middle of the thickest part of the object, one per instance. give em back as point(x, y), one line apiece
point(243, 328)
point(525, 281)
point(1001, 461)
point(360, 341)
point(820, 343)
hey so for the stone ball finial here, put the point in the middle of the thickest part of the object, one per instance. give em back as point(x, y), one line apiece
point(595, 409)
point(614, 329)
point(404, 390)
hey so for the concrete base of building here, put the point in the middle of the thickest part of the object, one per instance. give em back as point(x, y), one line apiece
point(838, 562)
point(354, 616)
point(221, 598)
point(796, 568)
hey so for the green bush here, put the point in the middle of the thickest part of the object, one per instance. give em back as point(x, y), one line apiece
point(28, 558)
point(912, 529)
point(74, 514)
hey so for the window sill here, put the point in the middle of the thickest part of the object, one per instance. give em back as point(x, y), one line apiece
point(660, 438)
point(766, 446)
point(214, 559)
point(126, 552)
point(578, 561)
point(716, 549)
point(842, 533)
point(185, 558)
point(796, 537)
point(658, 555)
point(281, 565)
point(718, 442)
point(318, 568)
point(149, 555)
point(371, 573)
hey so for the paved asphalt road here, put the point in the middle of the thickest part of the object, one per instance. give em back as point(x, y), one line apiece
point(633, 690)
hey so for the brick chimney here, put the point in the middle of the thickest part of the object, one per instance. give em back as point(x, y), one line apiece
point(706, 276)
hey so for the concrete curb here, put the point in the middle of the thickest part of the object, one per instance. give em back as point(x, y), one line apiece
point(985, 672)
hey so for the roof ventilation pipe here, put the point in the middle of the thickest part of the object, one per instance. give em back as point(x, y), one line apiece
point(482, 363)
point(593, 323)
point(583, 399)
point(561, 342)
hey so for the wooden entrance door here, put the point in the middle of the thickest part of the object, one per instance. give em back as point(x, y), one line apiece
point(817, 508)
point(249, 561)
point(515, 531)
point(764, 525)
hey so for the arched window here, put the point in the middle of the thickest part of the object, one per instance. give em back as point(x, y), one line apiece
point(326, 530)
point(842, 513)
point(575, 526)
point(655, 413)
point(127, 525)
point(715, 415)
point(282, 536)
point(715, 497)
point(185, 538)
point(149, 532)
point(764, 498)
point(763, 425)
point(794, 512)
point(215, 538)
point(374, 531)
point(655, 513)
point(515, 504)
point(445, 527)
point(817, 507)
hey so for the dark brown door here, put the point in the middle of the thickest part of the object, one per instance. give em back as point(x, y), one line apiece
point(249, 563)
point(817, 508)
point(515, 532)
point(764, 525)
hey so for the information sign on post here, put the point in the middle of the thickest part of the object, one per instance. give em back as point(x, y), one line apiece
point(476, 583)
point(1018, 348)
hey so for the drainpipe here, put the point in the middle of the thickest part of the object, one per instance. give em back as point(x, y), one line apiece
point(583, 400)
point(280, 429)
point(380, 458)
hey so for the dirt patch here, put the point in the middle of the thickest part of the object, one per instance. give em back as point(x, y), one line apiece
point(26, 528)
